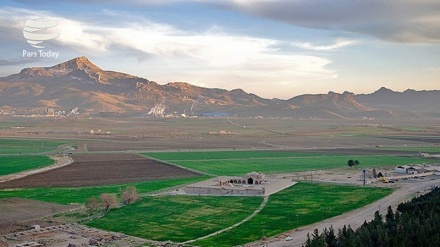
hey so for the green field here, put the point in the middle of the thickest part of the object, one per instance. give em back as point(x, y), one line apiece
point(226, 155)
point(182, 218)
point(23, 146)
point(14, 164)
point(230, 163)
point(178, 218)
point(81, 194)
point(299, 205)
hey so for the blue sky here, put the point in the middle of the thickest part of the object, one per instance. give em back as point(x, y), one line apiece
point(273, 48)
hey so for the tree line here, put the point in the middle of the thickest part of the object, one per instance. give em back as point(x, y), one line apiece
point(110, 200)
point(415, 223)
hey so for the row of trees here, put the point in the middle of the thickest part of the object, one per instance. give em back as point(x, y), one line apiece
point(110, 200)
point(415, 223)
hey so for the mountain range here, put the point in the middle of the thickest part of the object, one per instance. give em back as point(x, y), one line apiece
point(80, 84)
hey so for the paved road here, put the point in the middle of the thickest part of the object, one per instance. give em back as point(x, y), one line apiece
point(355, 218)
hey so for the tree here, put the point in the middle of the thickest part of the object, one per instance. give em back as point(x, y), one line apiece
point(350, 163)
point(129, 195)
point(356, 162)
point(330, 237)
point(108, 200)
point(91, 205)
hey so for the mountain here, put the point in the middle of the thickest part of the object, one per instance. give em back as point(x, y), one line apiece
point(80, 85)
point(409, 100)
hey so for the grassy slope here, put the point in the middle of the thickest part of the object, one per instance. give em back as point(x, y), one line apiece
point(14, 164)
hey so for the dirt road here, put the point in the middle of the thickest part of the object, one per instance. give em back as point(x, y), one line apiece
point(60, 161)
point(405, 191)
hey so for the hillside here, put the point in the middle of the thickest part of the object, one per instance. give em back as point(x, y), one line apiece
point(80, 84)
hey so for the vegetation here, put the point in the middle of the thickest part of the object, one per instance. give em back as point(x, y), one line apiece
point(23, 146)
point(14, 164)
point(129, 195)
point(415, 223)
point(299, 205)
point(223, 155)
point(177, 218)
point(92, 205)
point(232, 163)
point(82, 194)
point(182, 218)
point(352, 163)
point(430, 149)
point(108, 200)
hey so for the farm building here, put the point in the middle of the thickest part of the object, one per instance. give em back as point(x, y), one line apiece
point(406, 170)
point(400, 169)
point(251, 184)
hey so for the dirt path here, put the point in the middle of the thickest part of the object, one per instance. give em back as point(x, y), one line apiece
point(60, 161)
point(354, 218)
point(263, 204)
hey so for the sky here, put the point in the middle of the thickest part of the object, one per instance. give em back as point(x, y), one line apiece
point(272, 48)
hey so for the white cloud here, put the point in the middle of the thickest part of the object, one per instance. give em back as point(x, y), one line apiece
point(208, 58)
point(339, 43)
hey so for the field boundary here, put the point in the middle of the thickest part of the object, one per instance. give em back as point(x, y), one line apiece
point(60, 161)
point(180, 166)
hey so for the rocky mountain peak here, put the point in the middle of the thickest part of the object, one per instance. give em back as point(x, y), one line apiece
point(80, 83)
point(78, 63)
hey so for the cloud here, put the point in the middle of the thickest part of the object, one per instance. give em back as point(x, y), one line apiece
point(406, 21)
point(403, 21)
point(208, 58)
point(339, 43)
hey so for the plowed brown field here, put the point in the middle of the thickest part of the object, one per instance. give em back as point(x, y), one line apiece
point(101, 169)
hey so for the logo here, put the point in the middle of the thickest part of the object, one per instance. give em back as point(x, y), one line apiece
point(37, 30)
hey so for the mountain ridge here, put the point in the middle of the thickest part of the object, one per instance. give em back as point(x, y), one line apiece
point(78, 83)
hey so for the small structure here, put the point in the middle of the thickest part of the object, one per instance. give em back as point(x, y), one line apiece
point(406, 170)
point(411, 170)
point(251, 184)
point(400, 169)
point(36, 227)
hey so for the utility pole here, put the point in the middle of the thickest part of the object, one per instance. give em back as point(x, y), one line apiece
point(364, 176)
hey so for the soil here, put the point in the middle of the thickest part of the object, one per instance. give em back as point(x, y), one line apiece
point(101, 169)
point(71, 235)
point(19, 214)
